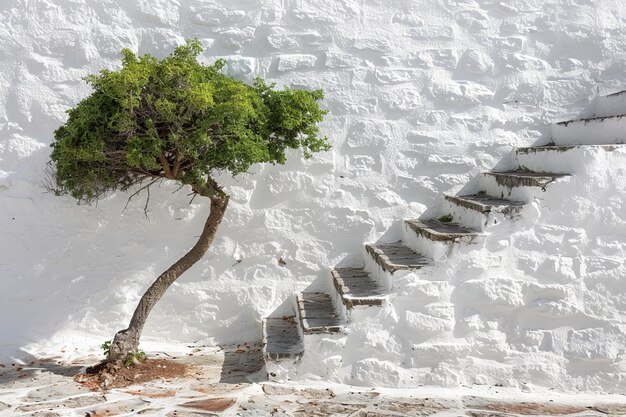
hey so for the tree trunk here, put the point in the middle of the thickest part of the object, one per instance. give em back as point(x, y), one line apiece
point(126, 341)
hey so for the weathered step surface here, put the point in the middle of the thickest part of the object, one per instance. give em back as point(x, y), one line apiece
point(396, 256)
point(318, 313)
point(282, 338)
point(484, 203)
point(610, 105)
point(521, 178)
point(528, 150)
point(570, 159)
point(587, 120)
point(590, 131)
point(438, 231)
point(357, 288)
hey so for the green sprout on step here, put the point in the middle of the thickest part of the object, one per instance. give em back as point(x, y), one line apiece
point(446, 218)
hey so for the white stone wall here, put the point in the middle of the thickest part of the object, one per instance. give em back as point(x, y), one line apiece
point(422, 95)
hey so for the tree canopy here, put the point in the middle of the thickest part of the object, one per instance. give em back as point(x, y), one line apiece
point(176, 118)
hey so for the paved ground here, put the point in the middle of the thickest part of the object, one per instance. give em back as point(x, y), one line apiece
point(231, 382)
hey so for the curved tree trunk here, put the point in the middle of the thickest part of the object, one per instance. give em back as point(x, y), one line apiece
point(126, 341)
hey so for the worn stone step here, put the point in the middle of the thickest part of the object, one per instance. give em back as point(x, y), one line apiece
point(589, 120)
point(484, 203)
point(396, 256)
point(282, 338)
point(528, 150)
point(438, 231)
point(569, 159)
point(609, 105)
point(318, 313)
point(590, 131)
point(520, 178)
point(356, 287)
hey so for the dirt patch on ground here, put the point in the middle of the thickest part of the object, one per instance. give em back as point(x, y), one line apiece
point(148, 370)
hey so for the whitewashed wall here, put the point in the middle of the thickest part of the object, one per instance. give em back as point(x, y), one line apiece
point(422, 95)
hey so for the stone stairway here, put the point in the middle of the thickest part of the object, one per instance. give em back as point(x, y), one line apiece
point(426, 242)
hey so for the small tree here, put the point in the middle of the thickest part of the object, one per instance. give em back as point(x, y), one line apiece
point(180, 120)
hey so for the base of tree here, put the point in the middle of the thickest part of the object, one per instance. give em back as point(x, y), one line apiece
point(106, 375)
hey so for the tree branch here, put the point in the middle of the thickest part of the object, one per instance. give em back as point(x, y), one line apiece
point(210, 189)
point(176, 167)
point(147, 186)
point(166, 166)
point(145, 207)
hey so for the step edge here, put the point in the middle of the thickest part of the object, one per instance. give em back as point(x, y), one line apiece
point(469, 204)
point(385, 262)
point(350, 300)
point(437, 236)
point(314, 329)
point(586, 120)
point(544, 175)
point(525, 150)
point(463, 201)
point(274, 355)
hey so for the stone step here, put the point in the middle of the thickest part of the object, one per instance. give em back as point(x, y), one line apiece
point(357, 288)
point(281, 338)
point(484, 203)
point(609, 105)
point(438, 231)
point(527, 150)
point(318, 313)
point(604, 130)
point(570, 159)
point(522, 178)
point(396, 256)
point(587, 120)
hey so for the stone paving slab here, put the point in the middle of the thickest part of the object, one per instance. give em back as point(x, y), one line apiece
point(183, 413)
point(131, 405)
point(612, 409)
point(149, 392)
point(522, 408)
point(211, 404)
point(154, 411)
point(55, 392)
point(72, 402)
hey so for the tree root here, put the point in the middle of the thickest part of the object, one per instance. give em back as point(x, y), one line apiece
point(105, 376)
point(106, 372)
